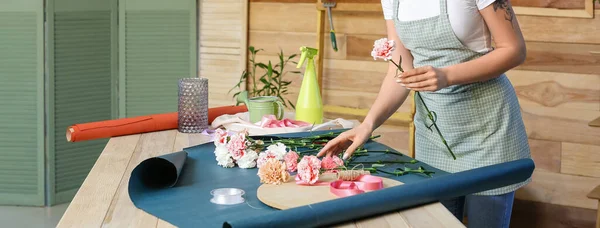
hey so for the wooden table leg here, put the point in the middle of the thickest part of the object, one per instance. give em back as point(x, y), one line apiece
point(598, 216)
point(595, 194)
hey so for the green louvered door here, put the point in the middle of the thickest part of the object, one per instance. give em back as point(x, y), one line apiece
point(82, 57)
point(21, 102)
point(157, 47)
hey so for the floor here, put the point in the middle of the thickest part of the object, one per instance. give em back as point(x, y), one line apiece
point(31, 217)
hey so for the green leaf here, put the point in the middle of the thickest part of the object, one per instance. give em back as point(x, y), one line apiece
point(271, 80)
point(242, 80)
point(293, 106)
point(270, 69)
point(262, 65)
point(264, 80)
point(281, 55)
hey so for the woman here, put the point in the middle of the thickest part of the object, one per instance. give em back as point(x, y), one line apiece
point(446, 52)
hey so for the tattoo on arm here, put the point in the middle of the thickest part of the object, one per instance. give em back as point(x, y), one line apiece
point(504, 4)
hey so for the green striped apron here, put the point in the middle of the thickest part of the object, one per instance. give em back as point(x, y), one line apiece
point(481, 121)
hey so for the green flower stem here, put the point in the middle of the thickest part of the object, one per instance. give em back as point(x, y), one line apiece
point(374, 137)
point(314, 142)
point(370, 169)
point(391, 173)
point(397, 65)
point(429, 115)
point(407, 171)
point(360, 151)
point(386, 162)
point(307, 152)
point(435, 125)
point(420, 170)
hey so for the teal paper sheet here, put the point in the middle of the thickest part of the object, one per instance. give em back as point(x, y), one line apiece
point(187, 202)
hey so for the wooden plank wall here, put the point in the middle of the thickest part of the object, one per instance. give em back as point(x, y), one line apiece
point(222, 44)
point(558, 4)
point(558, 87)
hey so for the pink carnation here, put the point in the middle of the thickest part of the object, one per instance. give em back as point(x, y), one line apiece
point(330, 163)
point(309, 169)
point(382, 49)
point(338, 161)
point(237, 145)
point(220, 137)
point(264, 156)
point(291, 161)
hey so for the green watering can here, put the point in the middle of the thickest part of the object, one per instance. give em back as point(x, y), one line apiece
point(261, 106)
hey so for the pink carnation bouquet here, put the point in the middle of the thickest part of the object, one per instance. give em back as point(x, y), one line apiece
point(277, 158)
point(236, 149)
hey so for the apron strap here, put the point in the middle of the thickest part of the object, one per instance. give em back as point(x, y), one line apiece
point(396, 4)
point(443, 7)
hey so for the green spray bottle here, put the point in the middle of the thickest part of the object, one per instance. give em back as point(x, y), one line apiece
point(309, 106)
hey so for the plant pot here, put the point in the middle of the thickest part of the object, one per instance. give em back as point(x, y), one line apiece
point(261, 106)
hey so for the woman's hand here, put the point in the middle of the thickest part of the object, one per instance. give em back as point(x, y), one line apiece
point(350, 139)
point(425, 78)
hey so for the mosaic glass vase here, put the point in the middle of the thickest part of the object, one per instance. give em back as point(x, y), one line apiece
point(193, 105)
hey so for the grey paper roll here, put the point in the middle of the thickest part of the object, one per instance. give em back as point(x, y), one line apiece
point(162, 171)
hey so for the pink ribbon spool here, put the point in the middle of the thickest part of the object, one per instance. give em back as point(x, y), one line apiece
point(343, 188)
point(363, 183)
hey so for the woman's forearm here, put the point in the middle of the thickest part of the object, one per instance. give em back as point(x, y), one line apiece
point(486, 67)
point(510, 48)
point(391, 94)
point(390, 98)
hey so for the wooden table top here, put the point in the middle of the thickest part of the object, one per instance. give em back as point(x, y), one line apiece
point(595, 194)
point(103, 200)
point(595, 122)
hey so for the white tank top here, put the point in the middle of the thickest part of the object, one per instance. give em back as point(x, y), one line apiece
point(468, 25)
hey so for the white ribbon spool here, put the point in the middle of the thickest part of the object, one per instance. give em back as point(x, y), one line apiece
point(227, 196)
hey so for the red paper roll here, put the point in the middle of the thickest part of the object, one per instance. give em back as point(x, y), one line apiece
point(139, 124)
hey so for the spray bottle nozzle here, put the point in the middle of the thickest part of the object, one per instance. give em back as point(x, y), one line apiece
point(307, 52)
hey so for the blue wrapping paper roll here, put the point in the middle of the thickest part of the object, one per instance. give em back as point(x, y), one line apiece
point(160, 172)
point(393, 199)
point(195, 174)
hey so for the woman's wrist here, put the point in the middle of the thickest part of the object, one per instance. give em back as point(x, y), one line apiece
point(369, 125)
point(449, 76)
